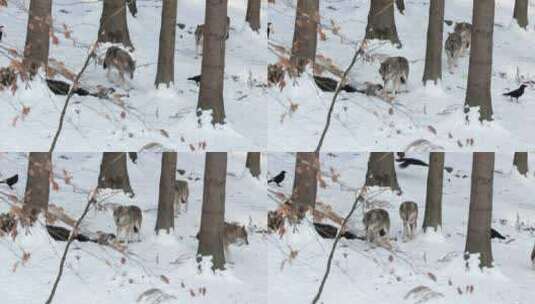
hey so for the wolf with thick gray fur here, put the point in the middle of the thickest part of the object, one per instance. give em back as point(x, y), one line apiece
point(128, 221)
point(464, 29)
point(120, 60)
point(376, 224)
point(394, 70)
point(181, 195)
point(408, 211)
point(234, 234)
point(454, 48)
point(199, 35)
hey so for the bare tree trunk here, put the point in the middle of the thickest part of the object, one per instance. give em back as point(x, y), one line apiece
point(480, 65)
point(305, 38)
point(381, 171)
point(113, 24)
point(433, 199)
point(520, 161)
point(213, 209)
point(38, 34)
point(114, 173)
point(253, 163)
point(213, 60)
point(521, 13)
point(381, 23)
point(480, 216)
point(253, 14)
point(165, 219)
point(166, 53)
point(433, 54)
point(305, 187)
point(37, 190)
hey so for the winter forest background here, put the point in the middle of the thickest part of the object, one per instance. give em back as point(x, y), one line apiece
point(267, 151)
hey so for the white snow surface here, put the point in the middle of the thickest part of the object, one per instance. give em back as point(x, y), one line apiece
point(263, 271)
point(165, 118)
point(424, 118)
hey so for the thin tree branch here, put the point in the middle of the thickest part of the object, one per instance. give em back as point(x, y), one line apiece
point(69, 95)
point(71, 238)
point(338, 236)
point(358, 52)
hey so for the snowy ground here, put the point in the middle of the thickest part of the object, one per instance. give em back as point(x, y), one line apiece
point(361, 274)
point(166, 117)
point(264, 271)
point(433, 113)
point(97, 274)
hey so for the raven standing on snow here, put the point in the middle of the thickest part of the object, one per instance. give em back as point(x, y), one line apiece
point(516, 93)
point(278, 178)
point(10, 181)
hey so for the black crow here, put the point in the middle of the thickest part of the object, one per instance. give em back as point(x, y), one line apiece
point(133, 156)
point(132, 7)
point(494, 234)
point(1, 31)
point(406, 161)
point(197, 79)
point(278, 178)
point(516, 93)
point(10, 181)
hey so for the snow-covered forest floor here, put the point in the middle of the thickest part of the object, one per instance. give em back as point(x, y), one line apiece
point(138, 115)
point(99, 274)
point(362, 274)
point(273, 269)
point(425, 117)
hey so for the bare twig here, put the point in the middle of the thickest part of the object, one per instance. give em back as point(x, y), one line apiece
point(69, 95)
point(338, 236)
point(71, 238)
point(358, 52)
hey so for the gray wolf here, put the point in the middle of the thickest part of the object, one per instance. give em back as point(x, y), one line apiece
point(120, 60)
point(377, 225)
point(128, 221)
point(199, 35)
point(408, 211)
point(394, 70)
point(181, 195)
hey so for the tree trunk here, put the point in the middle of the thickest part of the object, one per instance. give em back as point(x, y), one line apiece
point(37, 190)
point(521, 13)
point(165, 219)
point(521, 162)
point(113, 26)
point(166, 53)
point(253, 163)
point(38, 33)
point(480, 216)
point(433, 198)
point(305, 38)
point(213, 61)
point(253, 14)
point(305, 185)
point(381, 171)
point(213, 209)
point(114, 173)
point(480, 65)
point(381, 23)
point(433, 54)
